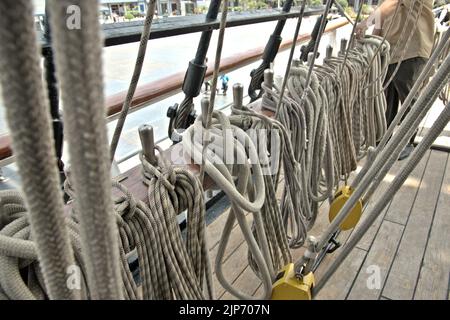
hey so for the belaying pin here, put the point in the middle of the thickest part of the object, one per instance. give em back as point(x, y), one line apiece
point(238, 95)
point(148, 143)
point(310, 58)
point(329, 52)
point(268, 78)
point(343, 46)
point(204, 103)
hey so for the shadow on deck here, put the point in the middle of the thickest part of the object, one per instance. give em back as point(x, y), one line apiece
point(409, 243)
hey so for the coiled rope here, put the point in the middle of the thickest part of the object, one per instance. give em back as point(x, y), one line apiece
point(388, 155)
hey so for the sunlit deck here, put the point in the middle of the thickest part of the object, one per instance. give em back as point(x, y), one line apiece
point(409, 242)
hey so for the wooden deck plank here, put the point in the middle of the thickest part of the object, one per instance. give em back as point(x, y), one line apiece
point(381, 241)
point(247, 282)
point(404, 199)
point(434, 276)
point(236, 239)
point(403, 275)
point(340, 283)
point(232, 268)
point(380, 256)
point(371, 233)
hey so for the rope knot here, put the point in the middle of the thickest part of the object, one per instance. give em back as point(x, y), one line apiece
point(125, 205)
point(163, 171)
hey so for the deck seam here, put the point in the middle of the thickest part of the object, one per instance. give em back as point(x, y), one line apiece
point(368, 250)
point(430, 228)
point(395, 222)
point(231, 253)
point(386, 210)
point(403, 231)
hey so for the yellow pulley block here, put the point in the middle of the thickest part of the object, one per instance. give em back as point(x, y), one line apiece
point(340, 198)
point(288, 286)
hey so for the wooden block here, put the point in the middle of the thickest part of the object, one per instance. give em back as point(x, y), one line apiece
point(434, 276)
point(403, 276)
point(379, 258)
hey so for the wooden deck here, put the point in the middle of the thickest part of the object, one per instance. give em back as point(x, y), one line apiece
point(409, 243)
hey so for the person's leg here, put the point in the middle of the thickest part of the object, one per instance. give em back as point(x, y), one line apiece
point(391, 94)
point(407, 75)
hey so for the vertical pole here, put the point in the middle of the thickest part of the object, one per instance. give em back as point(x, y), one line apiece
point(53, 95)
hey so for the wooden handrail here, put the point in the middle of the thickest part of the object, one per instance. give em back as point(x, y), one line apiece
point(152, 91)
point(149, 92)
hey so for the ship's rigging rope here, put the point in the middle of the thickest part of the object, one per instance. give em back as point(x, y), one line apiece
point(26, 112)
point(169, 267)
point(85, 123)
point(194, 78)
point(145, 35)
point(225, 152)
point(99, 236)
point(270, 52)
point(389, 153)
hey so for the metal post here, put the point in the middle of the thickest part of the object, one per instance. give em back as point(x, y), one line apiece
point(268, 78)
point(238, 95)
point(148, 143)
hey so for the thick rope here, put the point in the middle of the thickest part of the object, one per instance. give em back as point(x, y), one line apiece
point(389, 154)
point(227, 141)
point(18, 254)
point(135, 77)
point(418, 153)
point(78, 62)
point(27, 113)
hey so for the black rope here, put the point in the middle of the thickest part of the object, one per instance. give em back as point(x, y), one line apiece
point(53, 94)
point(270, 52)
point(306, 49)
point(183, 115)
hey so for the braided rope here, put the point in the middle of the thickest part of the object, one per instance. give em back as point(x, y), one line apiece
point(78, 55)
point(27, 113)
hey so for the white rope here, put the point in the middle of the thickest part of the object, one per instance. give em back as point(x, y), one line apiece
point(230, 140)
point(78, 54)
point(27, 113)
point(135, 77)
